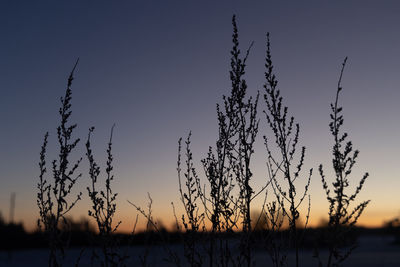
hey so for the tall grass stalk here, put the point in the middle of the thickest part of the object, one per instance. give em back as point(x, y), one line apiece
point(104, 205)
point(341, 217)
point(53, 196)
point(245, 112)
point(286, 137)
point(153, 227)
point(190, 196)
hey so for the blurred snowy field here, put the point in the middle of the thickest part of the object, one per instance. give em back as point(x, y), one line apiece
point(371, 251)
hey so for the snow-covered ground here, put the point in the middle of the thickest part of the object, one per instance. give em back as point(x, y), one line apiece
point(371, 251)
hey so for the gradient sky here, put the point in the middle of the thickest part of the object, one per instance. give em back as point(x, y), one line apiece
point(157, 69)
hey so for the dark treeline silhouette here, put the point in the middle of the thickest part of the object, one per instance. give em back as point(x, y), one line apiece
point(82, 233)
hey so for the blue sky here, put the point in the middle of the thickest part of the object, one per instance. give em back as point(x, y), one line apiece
point(157, 70)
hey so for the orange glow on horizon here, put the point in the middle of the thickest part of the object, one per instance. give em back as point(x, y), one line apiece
point(372, 220)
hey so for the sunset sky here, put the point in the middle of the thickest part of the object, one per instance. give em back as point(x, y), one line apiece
point(157, 69)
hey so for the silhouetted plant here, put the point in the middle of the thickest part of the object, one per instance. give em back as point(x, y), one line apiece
point(229, 165)
point(152, 228)
point(189, 195)
point(286, 134)
point(52, 198)
point(246, 113)
point(104, 205)
point(341, 217)
point(272, 228)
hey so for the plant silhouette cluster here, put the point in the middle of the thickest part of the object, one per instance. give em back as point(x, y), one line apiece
point(53, 198)
point(218, 227)
point(227, 168)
